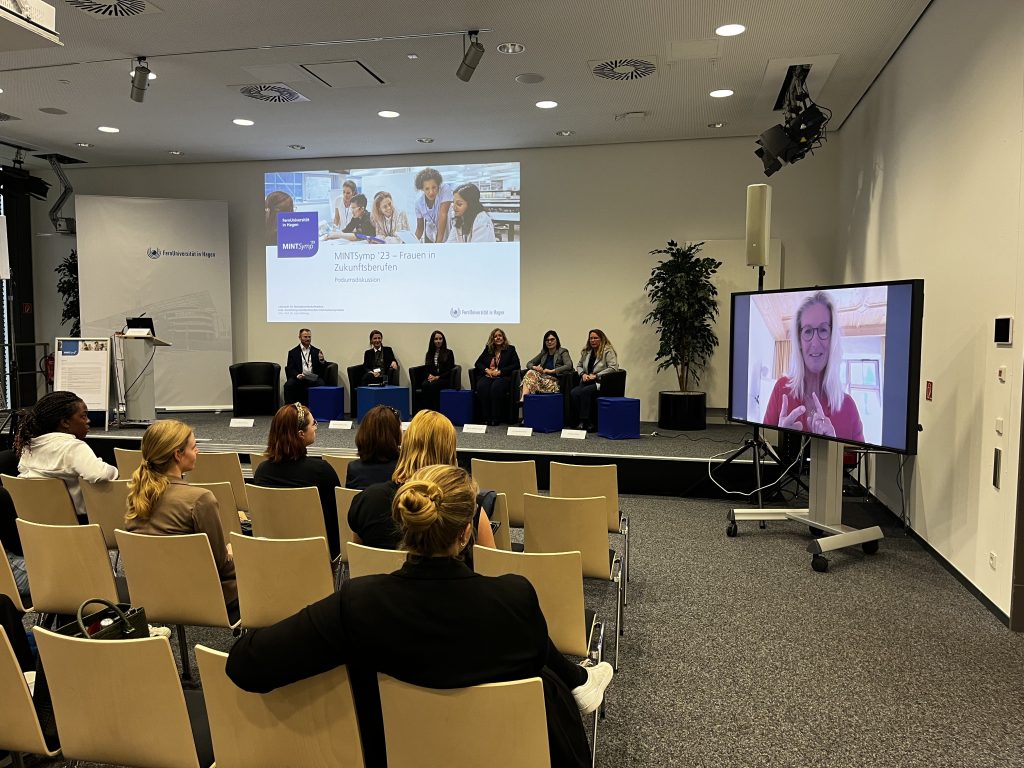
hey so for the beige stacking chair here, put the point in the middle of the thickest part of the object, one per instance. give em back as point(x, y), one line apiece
point(513, 478)
point(255, 459)
point(9, 587)
point(20, 732)
point(105, 505)
point(368, 561)
point(42, 500)
point(340, 464)
point(343, 498)
point(286, 513)
point(127, 461)
point(217, 467)
point(67, 565)
point(226, 506)
point(502, 537)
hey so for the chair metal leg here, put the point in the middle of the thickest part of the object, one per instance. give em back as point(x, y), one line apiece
point(186, 665)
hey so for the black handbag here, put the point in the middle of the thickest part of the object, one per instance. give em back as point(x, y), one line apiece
point(115, 622)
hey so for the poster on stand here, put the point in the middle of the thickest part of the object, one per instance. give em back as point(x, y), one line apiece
point(82, 366)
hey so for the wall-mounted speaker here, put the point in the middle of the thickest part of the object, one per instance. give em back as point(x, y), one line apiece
point(759, 224)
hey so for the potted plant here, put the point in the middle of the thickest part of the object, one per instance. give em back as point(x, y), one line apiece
point(684, 307)
point(67, 287)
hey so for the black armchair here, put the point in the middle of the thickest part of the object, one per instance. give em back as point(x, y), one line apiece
point(418, 374)
point(355, 380)
point(331, 376)
point(255, 388)
point(612, 385)
point(512, 417)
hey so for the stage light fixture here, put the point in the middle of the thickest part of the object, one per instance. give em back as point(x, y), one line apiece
point(802, 129)
point(140, 79)
point(470, 57)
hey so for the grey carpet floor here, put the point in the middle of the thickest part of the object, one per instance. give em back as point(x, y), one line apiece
point(737, 654)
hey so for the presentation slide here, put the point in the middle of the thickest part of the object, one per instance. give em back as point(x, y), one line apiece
point(408, 245)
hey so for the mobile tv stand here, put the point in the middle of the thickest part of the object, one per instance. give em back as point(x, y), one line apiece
point(825, 509)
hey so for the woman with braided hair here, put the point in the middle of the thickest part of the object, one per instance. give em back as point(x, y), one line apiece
point(434, 624)
point(161, 503)
point(49, 442)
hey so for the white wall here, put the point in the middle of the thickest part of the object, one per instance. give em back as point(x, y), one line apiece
point(931, 168)
point(591, 215)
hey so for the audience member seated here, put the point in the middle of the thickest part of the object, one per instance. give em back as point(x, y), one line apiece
point(430, 439)
point(438, 364)
point(377, 441)
point(495, 367)
point(378, 361)
point(543, 370)
point(292, 431)
point(434, 624)
point(9, 528)
point(161, 503)
point(597, 359)
point(306, 368)
point(50, 442)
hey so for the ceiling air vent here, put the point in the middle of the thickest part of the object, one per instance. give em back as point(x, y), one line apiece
point(5, 118)
point(120, 8)
point(623, 69)
point(273, 92)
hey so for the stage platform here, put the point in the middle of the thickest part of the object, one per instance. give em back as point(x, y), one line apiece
point(659, 463)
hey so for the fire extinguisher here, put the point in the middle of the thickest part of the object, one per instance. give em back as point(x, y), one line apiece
point(49, 366)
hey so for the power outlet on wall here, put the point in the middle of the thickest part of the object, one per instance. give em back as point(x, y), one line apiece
point(992, 560)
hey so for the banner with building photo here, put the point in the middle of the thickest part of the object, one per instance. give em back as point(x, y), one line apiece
point(168, 260)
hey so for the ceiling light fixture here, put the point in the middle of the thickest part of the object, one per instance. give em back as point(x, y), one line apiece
point(511, 48)
point(83, 144)
point(389, 113)
point(140, 79)
point(565, 133)
point(1, 90)
point(721, 93)
point(730, 30)
point(717, 125)
point(425, 140)
point(411, 56)
point(295, 146)
point(242, 121)
point(108, 129)
point(175, 152)
point(546, 104)
point(471, 56)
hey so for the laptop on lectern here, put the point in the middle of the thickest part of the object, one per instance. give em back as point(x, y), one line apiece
point(140, 323)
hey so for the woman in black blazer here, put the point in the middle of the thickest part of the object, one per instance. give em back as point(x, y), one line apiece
point(439, 363)
point(434, 623)
point(495, 367)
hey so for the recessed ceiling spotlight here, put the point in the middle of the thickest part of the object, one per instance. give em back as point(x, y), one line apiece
point(511, 48)
point(83, 144)
point(108, 129)
point(425, 140)
point(242, 121)
point(717, 125)
point(565, 133)
point(730, 30)
point(721, 93)
point(295, 146)
point(411, 56)
point(175, 152)
point(1, 90)
point(387, 113)
point(547, 104)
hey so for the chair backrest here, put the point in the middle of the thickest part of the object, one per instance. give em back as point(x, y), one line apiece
point(367, 561)
point(127, 461)
point(226, 505)
point(102, 692)
point(20, 731)
point(9, 587)
point(418, 725)
point(255, 373)
point(66, 564)
point(255, 459)
point(106, 503)
point(558, 579)
point(343, 499)
point(174, 577)
point(579, 481)
point(286, 513)
point(217, 467)
point(554, 524)
point(41, 500)
point(279, 577)
point(311, 723)
point(513, 478)
point(502, 537)
point(340, 464)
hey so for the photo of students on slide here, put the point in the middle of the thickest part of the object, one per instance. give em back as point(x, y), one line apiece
point(360, 226)
point(470, 222)
point(343, 205)
point(432, 206)
point(811, 396)
point(388, 222)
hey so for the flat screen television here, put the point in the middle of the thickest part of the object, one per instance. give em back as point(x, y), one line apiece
point(840, 362)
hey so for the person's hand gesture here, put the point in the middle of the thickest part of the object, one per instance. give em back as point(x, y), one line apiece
point(791, 419)
point(394, 365)
point(820, 423)
point(538, 369)
point(322, 358)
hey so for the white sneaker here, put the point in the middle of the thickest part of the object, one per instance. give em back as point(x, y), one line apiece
point(30, 678)
point(159, 631)
point(590, 695)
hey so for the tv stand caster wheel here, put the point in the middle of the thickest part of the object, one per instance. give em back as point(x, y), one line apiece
point(869, 547)
point(762, 525)
point(819, 564)
point(731, 530)
point(816, 532)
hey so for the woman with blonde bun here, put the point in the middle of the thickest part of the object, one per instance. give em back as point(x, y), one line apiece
point(161, 503)
point(434, 623)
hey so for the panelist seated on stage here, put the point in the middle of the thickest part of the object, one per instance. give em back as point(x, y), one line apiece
point(306, 368)
point(597, 360)
point(378, 362)
point(495, 369)
point(436, 371)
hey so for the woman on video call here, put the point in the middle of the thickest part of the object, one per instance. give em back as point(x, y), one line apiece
point(811, 398)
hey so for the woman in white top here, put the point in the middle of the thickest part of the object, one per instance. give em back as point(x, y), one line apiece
point(471, 223)
point(432, 206)
point(343, 205)
point(50, 443)
point(386, 220)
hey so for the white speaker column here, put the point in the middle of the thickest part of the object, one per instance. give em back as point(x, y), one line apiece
point(759, 224)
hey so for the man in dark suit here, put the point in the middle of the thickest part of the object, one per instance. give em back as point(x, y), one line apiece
point(378, 361)
point(306, 368)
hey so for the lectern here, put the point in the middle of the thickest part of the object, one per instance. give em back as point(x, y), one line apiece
point(139, 350)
